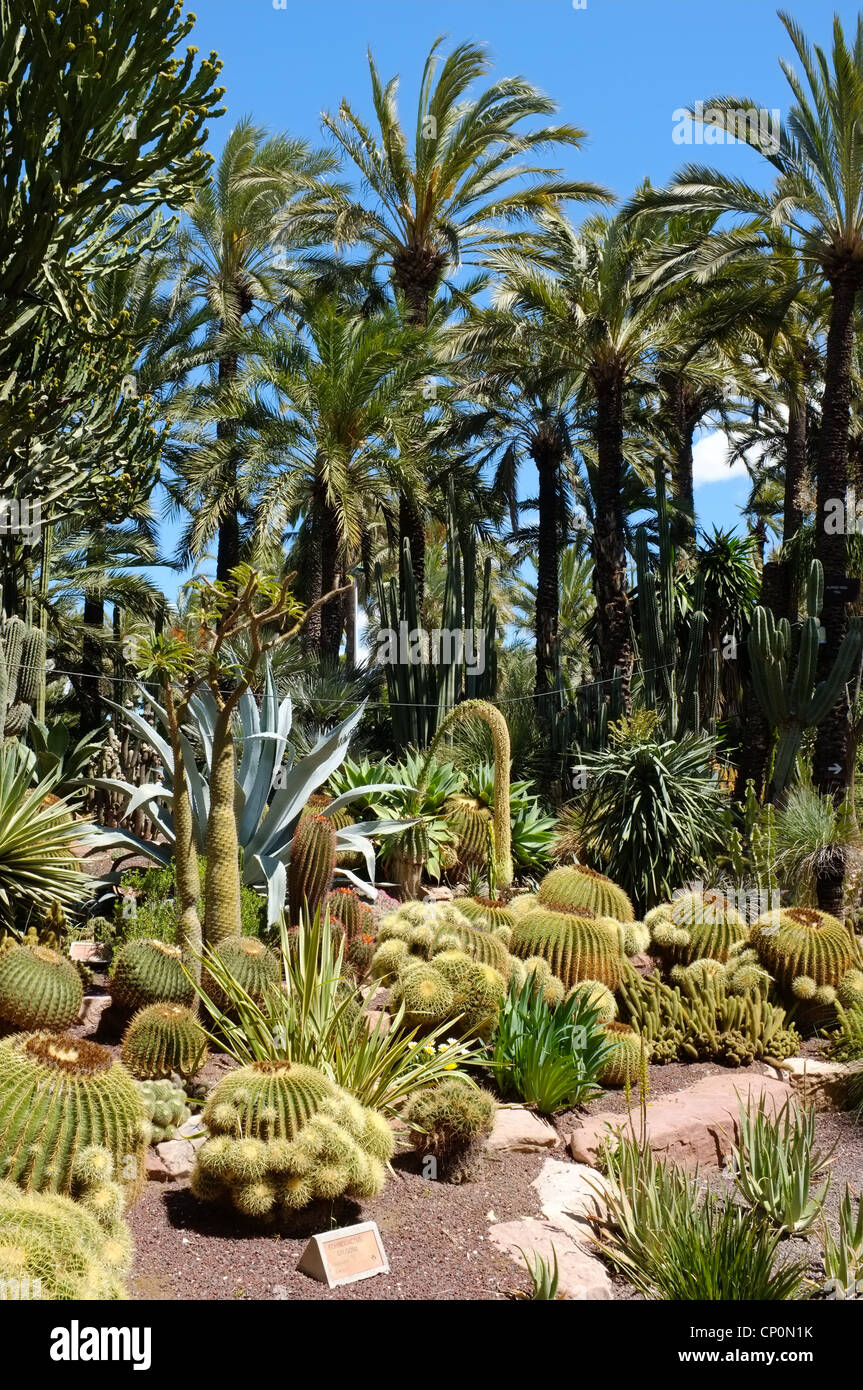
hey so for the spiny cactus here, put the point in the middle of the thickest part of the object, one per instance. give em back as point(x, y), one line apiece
point(636, 938)
point(163, 1039)
point(849, 991)
point(427, 929)
point(255, 968)
point(501, 869)
point(149, 972)
point(22, 663)
point(577, 947)
point(522, 903)
point(469, 821)
point(58, 1096)
point(697, 926)
point(793, 704)
point(572, 887)
point(54, 1247)
point(538, 971)
point(166, 1106)
point(487, 912)
point(454, 987)
point(284, 1135)
point(355, 916)
point(39, 989)
point(426, 994)
point(312, 865)
point(623, 1066)
point(598, 996)
point(450, 1121)
point(800, 941)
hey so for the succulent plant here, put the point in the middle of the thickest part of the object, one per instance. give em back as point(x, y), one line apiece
point(426, 994)
point(254, 967)
point(623, 1066)
point(39, 989)
point(283, 1135)
point(577, 947)
point(521, 903)
point(849, 991)
point(697, 926)
point(59, 1096)
point(22, 662)
point(313, 863)
point(167, 1108)
point(163, 1039)
point(636, 938)
point(489, 913)
point(450, 1121)
point(452, 986)
point(355, 916)
point(599, 996)
point(54, 1247)
point(802, 942)
point(149, 972)
point(572, 887)
point(427, 929)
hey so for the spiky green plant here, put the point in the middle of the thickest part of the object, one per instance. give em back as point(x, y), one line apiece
point(450, 1121)
point(149, 972)
point(573, 887)
point(451, 988)
point(163, 1039)
point(355, 916)
point(843, 1257)
point(625, 1064)
point(39, 989)
point(800, 942)
point(599, 996)
point(549, 1058)
point(490, 913)
point(313, 863)
point(283, 1135)
point(53, 1247)
point(253, 967)
point(775, 1164)
point(37, 865)
point(22, 663)
point(58, 1096)
point(698, 1019)
point(481, 709)
point(166, 1108)
point(695, 926)
point(576, 946)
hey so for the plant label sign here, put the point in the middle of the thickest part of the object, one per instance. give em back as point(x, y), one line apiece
point(345, 1256)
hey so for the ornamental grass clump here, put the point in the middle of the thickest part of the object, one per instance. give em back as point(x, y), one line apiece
point(549, 1058)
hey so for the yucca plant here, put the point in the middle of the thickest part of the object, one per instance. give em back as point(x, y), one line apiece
point(549, 1058)
point(314, 1018)
point(843, 1258)
point(775, 1164)
point(675, 1245)
point(37, 866)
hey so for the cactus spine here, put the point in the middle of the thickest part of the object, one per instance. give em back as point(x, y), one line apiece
point(312, 865)
point(576, 946)
point(163, 1039)
point(792, 703)
point(573, 887)
point(39, 989)
point(149, 972)
point(52, 1247)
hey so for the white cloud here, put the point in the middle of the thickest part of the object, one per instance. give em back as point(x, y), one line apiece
point(710, 460)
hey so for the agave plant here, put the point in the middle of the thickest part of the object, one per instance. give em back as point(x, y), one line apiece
point(54, 750)
point(271, 789)
point(37, 865)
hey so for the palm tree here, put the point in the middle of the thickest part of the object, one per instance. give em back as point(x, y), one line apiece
point(456, 196)
point(818, 200)
point(232, 255)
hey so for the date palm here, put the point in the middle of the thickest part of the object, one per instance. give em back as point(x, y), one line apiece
point(452, 192)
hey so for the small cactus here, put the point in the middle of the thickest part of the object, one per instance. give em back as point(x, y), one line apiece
point(450, 1122)
point(312, 865)
point(39, 989)
point(166, 1107)
point(623, 1066)
point(67, 1249)
point(163, 1039)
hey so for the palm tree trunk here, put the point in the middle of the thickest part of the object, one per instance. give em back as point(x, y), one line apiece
point(332, 614)
point(228, 554)
point(609, 545)
point(91, 662)
point(681, 427)
point(412, 529)
point(792, 514)
point(546, 455)
point(830, 762)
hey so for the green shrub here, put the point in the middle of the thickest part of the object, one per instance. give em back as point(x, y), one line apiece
point(549, 1058)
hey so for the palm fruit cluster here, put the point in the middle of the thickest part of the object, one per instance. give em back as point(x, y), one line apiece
point(252, 965)
point(699, 1019)
point(54, 1247)
point(696, 926)
point(282, 1136)
point(166, 1106)
point(451, 1121)
point(576, 946)
point(149, 972)
point(22, 662)
point(39, 989)
point(59, 1096)
point(451, 987)
point(598, 996)
point(164, 1039)
point(312, 865)
point(489, 913)
point(573, 887)
point(631, 1054)
point(807, 952)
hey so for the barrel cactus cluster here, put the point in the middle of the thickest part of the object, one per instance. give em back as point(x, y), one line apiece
point(283, 1135)
point(695, 926)
point(166, 1106)
point(811, 955)
point(451, 987)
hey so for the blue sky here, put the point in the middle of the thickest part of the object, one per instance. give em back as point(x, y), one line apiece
point(619, 69)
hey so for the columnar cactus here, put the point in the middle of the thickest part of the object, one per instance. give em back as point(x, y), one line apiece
point(254, 968)
point(502, 868)
point(149, 972)
point(163, 1039)
point(39, 989)
point(283, 1135)
point(59, 1096)
point(22, 663)
point(576, 946)
point(805, 951)
point(54, 1247)
point(793, 703)
point(312, 865)
point(573, 887)
point(355, 916)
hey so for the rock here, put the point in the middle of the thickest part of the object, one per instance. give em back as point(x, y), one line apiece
point(372, 1016)
point(92, 951)
point(177, 1157)
point(92, 1009)
point(568, 1197)
point(156, 1170)
point(441, 894)
point(822, 1084)
point(695, 1126)
point(518, 1131)
point(581, 1276)
point(193, 1130)
point(643, 963)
